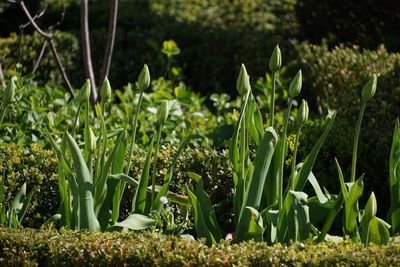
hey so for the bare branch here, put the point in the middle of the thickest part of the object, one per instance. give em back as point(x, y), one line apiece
point(32, 21)
point(87, 55)
point(58, 23)
point(61, 67)
point(39, 59)
point(112, 26)
point(49, 38)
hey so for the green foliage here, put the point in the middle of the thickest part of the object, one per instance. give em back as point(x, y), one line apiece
point(25, 50)
point(369, 25)
point(336, 77)
point(68, 248)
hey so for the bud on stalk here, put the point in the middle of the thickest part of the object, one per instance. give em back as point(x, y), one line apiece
point(84, 93)
point(162, 111)
point(275, 60)
point(9, 92)
point(243, 81)
point(144, 78)
point(105, 90)
point(295, 85)
point(302, 115)
point(369, 89)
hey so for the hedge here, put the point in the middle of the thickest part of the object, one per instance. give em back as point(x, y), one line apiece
point(38, 167)
point(29, 247)
point(336, 76)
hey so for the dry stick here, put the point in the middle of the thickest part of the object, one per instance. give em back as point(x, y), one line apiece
point(39, 59)
point(87, 55)
point(48, 37)
point(112, 26)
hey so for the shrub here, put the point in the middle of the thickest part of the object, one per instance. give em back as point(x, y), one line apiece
point(68, 248)
point(336, 76)
point(38, 167)
point(25, 50)
point(365, 23)
point(202, 29)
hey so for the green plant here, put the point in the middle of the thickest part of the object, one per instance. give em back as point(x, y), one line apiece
point(262, 208)
point(371, 228)
point(394, 181)
point(88, 193)
point(11, 215)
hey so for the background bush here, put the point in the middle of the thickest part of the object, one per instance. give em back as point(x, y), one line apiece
point(336, 76)
point(38, 167)
point(215, 36)
point(68, 248)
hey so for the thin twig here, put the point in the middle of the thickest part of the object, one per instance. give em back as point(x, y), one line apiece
point(112, 26)
point(39, 59)
point(60, 66)
point(87, 55)
point(49, 39)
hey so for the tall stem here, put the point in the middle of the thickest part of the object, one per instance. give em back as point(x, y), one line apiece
point(134, 125)
point(154, 172)
point(280, 200)
point(272, 104)
point(296, 144)
point(355, 143)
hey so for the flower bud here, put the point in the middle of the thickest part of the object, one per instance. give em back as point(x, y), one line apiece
point(243, 81)
point(9, 92)
point(370, 207)
point(302, 114)
point(144, 78)
point(295, 85)
point(275, 60)
point(105, 90)
point(92, 140)
point(162, 111)
point(84, 93)
point(369, 89)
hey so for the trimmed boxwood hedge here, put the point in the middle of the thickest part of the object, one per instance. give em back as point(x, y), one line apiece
point(38, 167)
point(29, 247)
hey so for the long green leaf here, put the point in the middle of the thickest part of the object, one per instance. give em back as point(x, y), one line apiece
point(168, 176)
point(136, 222)
point(351, 210)
point(255, 188)
point(139, 200)
point(87, 217)
point(201, 226)
point(394, 182)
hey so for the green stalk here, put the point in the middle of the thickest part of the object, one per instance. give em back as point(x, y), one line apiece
point(2, 113)
point(296, 144)
point(133, 139)
point(272, 104)
point(154, 172)
point(280, 200)
point(355, 144)
point(76, 120)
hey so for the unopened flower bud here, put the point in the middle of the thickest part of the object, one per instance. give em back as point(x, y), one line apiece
point(370, 207)
point(275, 60)
point(92, 140)
point(162, 111)
point(9, 92)
point(84, 93)
point(105, 90)
point(302, 114)
point(369, 89)
point(295, 85)
point(144, 78)
point(243, 81)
